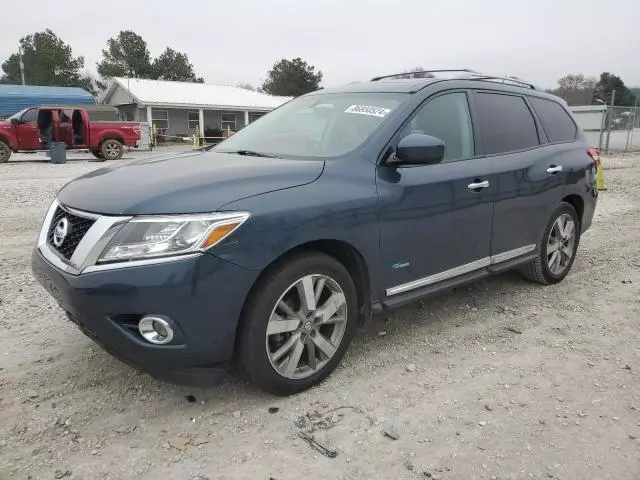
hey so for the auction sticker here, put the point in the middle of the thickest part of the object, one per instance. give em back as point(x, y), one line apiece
point(368, 110)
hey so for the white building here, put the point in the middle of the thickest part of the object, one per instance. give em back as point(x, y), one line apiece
point(178, 108)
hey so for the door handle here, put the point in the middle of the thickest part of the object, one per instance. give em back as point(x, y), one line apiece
point(478, 185)
point(553, 169)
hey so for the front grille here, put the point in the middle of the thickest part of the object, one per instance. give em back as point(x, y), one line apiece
point(77, 228)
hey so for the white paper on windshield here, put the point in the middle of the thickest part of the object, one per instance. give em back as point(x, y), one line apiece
point(368, 110)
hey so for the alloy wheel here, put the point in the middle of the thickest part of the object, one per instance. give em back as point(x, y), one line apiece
point(306, 326)
point(112, 150)
point(561, 244)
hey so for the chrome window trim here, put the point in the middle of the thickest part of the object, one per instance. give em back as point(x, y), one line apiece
point(460, 270)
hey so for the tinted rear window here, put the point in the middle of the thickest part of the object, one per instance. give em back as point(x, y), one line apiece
point(506, 123)
point(555, 120)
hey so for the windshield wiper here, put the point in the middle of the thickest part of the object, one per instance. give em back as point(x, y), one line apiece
point(248, 153)
point(251, 153)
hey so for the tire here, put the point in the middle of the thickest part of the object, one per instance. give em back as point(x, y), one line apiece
point(544, 269)
point(111, 149)
point(259, 354)
point(5, 152)
point(98, 155)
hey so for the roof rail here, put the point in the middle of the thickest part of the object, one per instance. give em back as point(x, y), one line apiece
point(465, 70)
point(513, 80)
point(472, 75)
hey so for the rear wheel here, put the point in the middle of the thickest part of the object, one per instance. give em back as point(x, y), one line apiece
point(97, 154)
point(298, 324)
point(5, 152)
point(111, 149)
point(557, 249)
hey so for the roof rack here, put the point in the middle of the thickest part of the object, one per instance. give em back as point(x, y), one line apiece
point(472, 75)
point(465, 70)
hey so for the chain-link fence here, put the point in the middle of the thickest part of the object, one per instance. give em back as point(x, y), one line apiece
point(621, 131)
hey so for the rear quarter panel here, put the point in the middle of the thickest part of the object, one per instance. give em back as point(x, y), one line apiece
point(580, 177)
point(126, 132)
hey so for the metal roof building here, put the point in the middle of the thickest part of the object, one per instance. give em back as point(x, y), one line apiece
point(14, 98)
point(179, 108)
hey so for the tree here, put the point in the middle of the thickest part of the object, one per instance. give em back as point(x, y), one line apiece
point(576, 89)
point(126, 55)
point(291, 78)
point(172, 65)
point(47, 61)
point(246, 86)
point(607, 83)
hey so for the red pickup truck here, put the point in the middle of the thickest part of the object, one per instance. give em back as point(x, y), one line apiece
point(35, 128)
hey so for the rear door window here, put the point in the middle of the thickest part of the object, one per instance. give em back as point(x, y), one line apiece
point(556, 122)
point(506, 124)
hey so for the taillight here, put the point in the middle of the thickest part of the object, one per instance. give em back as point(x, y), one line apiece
point(594, 153)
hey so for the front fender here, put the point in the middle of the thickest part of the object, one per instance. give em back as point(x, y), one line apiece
point(337, 206)
point(9, 139)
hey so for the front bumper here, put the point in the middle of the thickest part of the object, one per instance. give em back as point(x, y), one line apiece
point(202, 295)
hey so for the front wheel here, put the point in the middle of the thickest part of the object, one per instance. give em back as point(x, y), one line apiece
point(298, 324)
point(5, 152)
point(111, 149)
point(557, 249)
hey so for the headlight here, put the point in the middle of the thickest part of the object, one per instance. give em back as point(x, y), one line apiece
point(159, 236)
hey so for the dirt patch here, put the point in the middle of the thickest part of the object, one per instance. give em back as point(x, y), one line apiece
point(501, 379)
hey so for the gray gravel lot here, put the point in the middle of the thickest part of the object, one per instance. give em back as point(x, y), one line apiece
point(499, 380)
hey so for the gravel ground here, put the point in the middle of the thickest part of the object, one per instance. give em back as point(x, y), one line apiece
point(501, 379)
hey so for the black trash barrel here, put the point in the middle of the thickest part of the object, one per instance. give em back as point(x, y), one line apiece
point(58, 152)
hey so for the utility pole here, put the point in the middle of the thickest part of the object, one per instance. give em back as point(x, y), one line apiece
point(21, 64)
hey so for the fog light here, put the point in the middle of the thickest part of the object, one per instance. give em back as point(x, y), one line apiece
point(155, 330)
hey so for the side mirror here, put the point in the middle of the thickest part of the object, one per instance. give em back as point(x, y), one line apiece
point(418, 149)
point(14, 121)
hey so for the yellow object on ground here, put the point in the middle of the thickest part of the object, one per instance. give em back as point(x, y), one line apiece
point(600, 177)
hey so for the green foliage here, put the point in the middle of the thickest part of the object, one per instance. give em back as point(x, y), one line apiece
point(575, 89)
point(172, 65)
point(127, 55)
point(47, 61)
point(291, 78)
point(607, 83)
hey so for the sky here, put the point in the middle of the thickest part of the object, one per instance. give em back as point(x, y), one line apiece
point(238, 41)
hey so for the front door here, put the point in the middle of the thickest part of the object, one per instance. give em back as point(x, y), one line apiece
point(27, 131)
point(436, 219)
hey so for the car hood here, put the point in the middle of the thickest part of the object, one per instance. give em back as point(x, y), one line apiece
point(193, 182)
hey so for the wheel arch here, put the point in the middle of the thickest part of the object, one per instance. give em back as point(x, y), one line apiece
point(110, 136)
point(341, 251)
point(577, 202)
point(7, 139)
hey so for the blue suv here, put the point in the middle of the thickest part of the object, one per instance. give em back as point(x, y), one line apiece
point(267, 250)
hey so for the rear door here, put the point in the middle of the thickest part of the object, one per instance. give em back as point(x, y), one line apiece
point(529, 180)
point(436, 219)
point(27, 131)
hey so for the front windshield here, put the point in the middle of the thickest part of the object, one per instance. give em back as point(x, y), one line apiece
point(324, 125)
